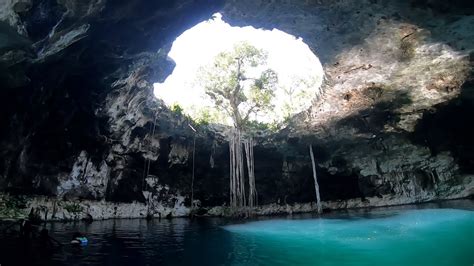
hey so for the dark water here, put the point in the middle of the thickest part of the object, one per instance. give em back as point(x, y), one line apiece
point(410, 235)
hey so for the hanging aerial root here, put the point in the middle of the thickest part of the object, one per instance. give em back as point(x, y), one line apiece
point(248, 145)
point(316, 185)
point(237, 147)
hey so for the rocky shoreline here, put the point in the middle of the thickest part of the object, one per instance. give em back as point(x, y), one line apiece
point(54, 209)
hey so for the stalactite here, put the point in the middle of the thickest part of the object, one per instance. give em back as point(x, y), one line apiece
point(213, 152)
point(433, 179)
point(146, 168)
point(84, 172)
point(413, 181)
point(316, 185)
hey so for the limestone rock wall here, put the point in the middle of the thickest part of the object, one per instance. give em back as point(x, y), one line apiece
point(80, 124)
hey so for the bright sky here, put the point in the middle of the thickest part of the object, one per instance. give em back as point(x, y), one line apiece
point(291, 58)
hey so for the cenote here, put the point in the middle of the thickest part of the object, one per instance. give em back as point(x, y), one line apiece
point(236, 132)
point(429, 234)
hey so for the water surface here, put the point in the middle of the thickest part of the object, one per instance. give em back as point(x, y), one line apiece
point(395, 236)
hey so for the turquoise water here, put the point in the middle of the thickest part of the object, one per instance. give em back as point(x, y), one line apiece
point(414, 237)
point(394, 236)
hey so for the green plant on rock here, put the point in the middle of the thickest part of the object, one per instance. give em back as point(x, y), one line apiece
point(73, 208)
point(16, 202)
point(206, 116)
point(256, 125)
point(261, 126)
point(177, 109)
point(13, 206)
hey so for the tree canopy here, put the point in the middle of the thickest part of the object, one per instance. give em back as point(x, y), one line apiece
point(240, 84)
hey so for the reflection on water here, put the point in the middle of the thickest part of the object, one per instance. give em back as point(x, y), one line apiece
point(392, 236)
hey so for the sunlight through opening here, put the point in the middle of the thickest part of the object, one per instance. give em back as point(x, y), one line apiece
point(299, 71)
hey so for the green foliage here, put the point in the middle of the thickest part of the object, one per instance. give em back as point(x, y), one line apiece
point(16, 202)
point(262, 91)
point(232, 85)
point(12, 206)
point(298, 93)
point(205, 116)
point(203, 120)
point(176, 108)
point(73, 208)
point(255, 125)
point(260, 126)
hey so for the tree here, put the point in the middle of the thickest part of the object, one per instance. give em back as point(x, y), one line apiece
point(239, 84)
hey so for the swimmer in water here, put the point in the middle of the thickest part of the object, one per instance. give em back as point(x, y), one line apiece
point(79, 239)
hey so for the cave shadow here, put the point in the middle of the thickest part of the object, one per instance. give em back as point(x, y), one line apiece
point(449, 126)
point(380, 114)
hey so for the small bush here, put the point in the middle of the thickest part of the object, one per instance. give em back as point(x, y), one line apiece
point(261, 126)
point(73, 208)
point(12, 206)
point(177, 109)
point(204, 119)
point(16, 202)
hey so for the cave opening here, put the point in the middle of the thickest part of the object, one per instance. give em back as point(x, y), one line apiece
point(299, 71)
point(275, 76)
